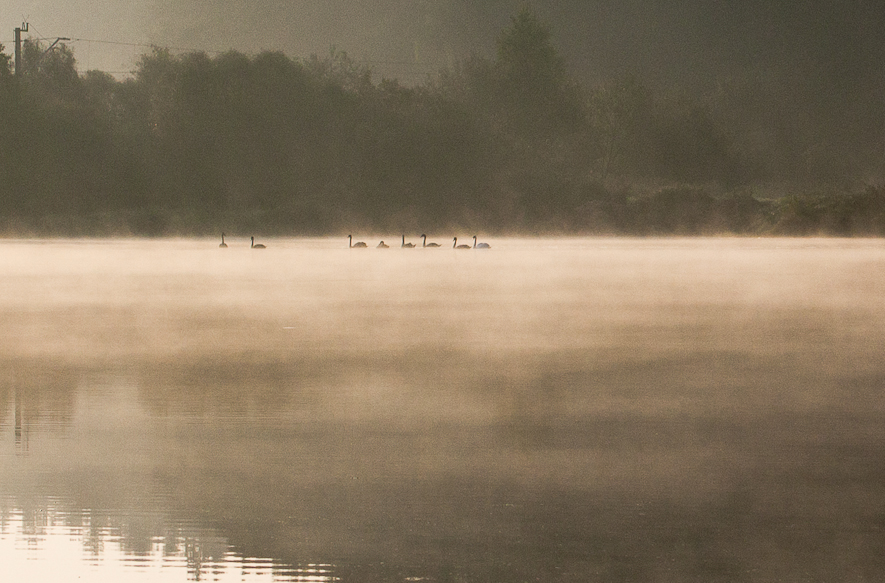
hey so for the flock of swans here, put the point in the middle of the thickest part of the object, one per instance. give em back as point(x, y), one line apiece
point(424, 244)
point(383, 245)
point(223, 245)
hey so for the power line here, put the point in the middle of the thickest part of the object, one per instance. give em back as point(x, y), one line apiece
point(407, 68)
point(129, 44)
point(219, 52)
point(147, 45)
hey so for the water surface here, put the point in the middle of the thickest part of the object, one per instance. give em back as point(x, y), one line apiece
point(555, 410)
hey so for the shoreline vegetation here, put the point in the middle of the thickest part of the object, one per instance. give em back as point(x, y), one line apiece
point(670, 211)
point(193, 145)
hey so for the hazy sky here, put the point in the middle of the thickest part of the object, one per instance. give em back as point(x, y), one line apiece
point(658, 39)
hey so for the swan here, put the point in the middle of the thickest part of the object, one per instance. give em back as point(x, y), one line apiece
point(383, 245)
point(407, 245)
point(259, 246)
point(426, 244)
point(354, 245)
point(456, 246)
point(223, 244)
point(480, 245)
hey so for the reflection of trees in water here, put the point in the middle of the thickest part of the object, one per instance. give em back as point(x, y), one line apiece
point(313, 381)
point(142, 537)
point(549, 464)
point(36, 395)
point(21, 436)
point(202, 386)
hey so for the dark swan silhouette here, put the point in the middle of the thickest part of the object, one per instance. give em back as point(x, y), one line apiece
point(407, 245)
point(456, 246)
point(426, 244)
point(352, 245)
point(259, 246)
point(383, 245)
point(480, 245)
point(223, 244)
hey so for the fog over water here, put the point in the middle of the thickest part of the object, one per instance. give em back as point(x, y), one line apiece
point(550, 409)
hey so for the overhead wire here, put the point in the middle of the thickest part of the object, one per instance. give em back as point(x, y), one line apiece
point(407, 68)
point(147, 45)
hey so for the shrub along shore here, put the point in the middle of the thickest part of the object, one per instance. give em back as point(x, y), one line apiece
point(667, 212)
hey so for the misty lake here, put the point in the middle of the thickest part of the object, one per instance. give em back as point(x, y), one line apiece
point(547, 410)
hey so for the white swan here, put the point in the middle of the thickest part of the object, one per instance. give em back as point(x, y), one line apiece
point(426, 244)
point(351, 244)
point(259, 246)
point(456, 246)
point(407, 245)
point(480, 245)
point(223, 244)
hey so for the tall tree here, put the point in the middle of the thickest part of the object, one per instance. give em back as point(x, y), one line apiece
point(5, 65)
point(619, 114)
point(533, 76)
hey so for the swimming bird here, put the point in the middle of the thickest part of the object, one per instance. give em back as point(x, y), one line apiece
point(223, 244)
point(480, 245)
point(407, 245)
point(383, 245)
point(456, 246)
point(426, 244)
point(259, 246)
point(351, 244)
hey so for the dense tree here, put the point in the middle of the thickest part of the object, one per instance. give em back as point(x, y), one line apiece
point(533, 79)
point(620, 113)
point(59, 152)
point(5, 66)
point(193, 144)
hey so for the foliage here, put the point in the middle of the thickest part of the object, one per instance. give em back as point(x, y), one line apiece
point(855, 214)
point(531, 78)
point(196, 144)
point(5, 66)
point(620, 113)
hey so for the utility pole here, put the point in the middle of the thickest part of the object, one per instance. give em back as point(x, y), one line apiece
point(18, 49)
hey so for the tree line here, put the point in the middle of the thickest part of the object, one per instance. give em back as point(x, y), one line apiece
point(267, 144)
